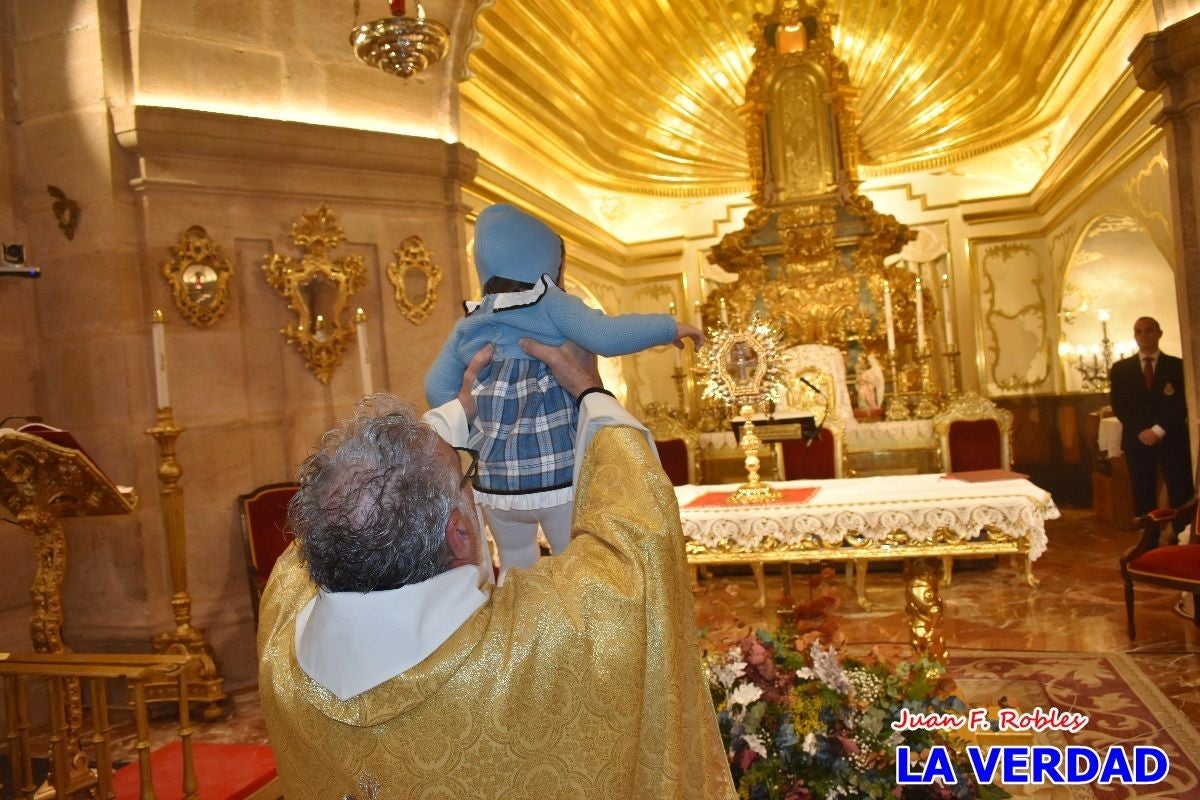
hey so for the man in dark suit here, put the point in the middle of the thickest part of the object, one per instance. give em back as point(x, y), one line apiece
point(1148, 398)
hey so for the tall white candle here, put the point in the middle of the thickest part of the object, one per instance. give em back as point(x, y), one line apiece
point(724, 313)
point(947, 311)
point(160, 358)
point(364, 362)
point(887, 316)
point(920, 317)
point(699, 317)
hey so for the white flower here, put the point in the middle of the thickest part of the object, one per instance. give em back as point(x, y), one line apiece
point(805, 673)
point(809, 745)
point(729, 671)
point(755, 744)
point(829, 669)
point(745, 694)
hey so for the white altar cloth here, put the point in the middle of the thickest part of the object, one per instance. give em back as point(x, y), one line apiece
point(1110, 436)
point(872, 508)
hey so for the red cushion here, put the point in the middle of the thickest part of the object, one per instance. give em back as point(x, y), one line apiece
point(974, 445)
point(805, 461)
point(1177, 561)
point(673, 455)
point(223, 771)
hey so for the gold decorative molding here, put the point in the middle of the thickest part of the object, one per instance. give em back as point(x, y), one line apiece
point(199, 277)
point(317, 290)
point(1005, 252)
point(412, 257)
point(1143, 199)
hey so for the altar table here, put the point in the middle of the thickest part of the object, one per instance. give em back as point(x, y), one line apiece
point(914, 518)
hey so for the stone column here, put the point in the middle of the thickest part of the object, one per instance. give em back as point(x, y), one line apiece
point(1168, 62)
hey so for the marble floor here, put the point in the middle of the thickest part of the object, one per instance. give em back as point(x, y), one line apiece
point(1079, 606)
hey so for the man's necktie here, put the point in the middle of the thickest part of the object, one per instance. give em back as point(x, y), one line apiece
point(1148, 371)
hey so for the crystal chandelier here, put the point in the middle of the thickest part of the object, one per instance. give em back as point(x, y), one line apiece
point(398, 44)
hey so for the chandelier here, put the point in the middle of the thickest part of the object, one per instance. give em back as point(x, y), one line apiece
point(399, 44)
point(1095, 362)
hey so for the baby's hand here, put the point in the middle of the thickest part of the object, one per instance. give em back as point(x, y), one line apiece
point(685, 331)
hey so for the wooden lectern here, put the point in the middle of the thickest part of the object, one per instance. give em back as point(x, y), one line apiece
point(45, 476)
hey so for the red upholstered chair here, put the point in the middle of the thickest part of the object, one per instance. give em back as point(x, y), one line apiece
point(265, 532)
point(818, 459)
point(973, 434)
point(678, 445)
point(676, 460)
point(1175, 566)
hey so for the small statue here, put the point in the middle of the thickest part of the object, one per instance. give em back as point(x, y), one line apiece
point(869, 381)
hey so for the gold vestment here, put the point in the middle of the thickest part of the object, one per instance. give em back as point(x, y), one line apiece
point(579, 679)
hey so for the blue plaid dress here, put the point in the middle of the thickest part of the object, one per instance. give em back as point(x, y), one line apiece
point(526, 429)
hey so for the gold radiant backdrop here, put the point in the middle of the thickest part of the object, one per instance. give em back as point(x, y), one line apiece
point(642, 95)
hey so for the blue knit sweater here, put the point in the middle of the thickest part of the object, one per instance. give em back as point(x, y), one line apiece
point(549, 315)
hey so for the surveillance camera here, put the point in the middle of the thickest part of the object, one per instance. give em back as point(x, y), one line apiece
point(14, 254)
point(14, 263)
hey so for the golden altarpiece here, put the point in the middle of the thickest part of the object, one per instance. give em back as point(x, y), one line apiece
point(811, 255)
point(817, 261)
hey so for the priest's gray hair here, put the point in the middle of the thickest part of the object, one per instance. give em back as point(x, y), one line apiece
point(374, 501)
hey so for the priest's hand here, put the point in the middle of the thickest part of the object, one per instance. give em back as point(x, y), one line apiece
point(482, 357)
point(573, 367)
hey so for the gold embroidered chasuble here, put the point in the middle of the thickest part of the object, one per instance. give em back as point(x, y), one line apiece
point(579, 678)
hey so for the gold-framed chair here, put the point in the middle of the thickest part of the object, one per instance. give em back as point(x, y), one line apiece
point(1173, 566)
point(974, 434)
point(265, 533)
point(678, 445)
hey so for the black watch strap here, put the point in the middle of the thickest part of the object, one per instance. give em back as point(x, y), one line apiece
point(593, 390)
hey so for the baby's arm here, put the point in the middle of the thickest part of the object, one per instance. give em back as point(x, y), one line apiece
point(608, 335)
point(445, 375)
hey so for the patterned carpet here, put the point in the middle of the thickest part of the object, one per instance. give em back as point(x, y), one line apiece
point(1124, 706)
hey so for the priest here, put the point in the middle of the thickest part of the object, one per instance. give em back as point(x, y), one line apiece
point(390, 667)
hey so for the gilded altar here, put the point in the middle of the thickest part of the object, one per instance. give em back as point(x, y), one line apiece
point(811, 254)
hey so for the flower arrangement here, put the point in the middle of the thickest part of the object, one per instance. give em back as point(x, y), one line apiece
point(800, 722)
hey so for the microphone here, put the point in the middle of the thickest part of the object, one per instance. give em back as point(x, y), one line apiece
point(810, 385)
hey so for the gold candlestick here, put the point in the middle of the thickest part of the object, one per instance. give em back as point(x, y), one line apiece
point(754, 490)
point(927, 397)
point(954, 378)
point(897, 407)
point(206, 684)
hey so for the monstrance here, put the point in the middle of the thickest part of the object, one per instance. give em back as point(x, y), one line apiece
point(745, 370)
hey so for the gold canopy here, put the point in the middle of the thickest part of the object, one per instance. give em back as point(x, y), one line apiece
point(642, 95)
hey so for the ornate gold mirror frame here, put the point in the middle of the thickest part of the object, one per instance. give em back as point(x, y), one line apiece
point(412, 257)
point(317, 290)
point(199, 277)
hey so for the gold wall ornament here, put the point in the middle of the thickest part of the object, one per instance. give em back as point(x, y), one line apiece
point(413, 260)
point(317, 290)
point(399, 44)
point(1014, 313)
point(199, 276)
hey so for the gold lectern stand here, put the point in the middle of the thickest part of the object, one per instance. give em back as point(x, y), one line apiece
point(41, 482)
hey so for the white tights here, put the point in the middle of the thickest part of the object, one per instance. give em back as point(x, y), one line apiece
point(515, 532)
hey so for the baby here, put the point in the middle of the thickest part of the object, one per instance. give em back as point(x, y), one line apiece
point(525, 432)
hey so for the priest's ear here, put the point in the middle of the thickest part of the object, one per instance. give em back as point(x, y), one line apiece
point(460, 539)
